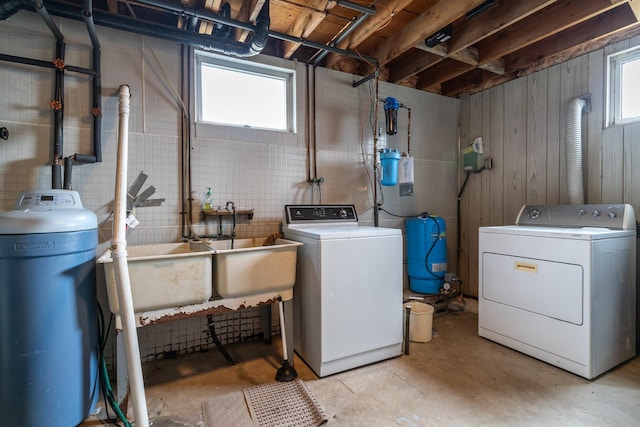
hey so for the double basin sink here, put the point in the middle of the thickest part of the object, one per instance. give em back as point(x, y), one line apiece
point(177, 274)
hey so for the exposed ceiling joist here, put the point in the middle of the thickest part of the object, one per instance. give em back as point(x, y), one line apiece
point(505, 40)
point(306, 22)
point(435, 18)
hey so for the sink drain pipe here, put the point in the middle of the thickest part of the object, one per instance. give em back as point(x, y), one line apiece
point(119, 255)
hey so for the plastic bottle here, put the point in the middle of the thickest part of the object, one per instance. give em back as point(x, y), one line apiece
point(208, 201)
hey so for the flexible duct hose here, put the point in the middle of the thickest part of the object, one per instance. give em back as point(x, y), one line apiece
point(575, 184)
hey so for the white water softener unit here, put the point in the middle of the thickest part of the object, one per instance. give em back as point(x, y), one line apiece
point(48, 324)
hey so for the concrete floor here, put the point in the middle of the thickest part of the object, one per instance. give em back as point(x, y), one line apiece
point(457, 379)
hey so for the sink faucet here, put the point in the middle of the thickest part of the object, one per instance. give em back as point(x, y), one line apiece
point(233, 206)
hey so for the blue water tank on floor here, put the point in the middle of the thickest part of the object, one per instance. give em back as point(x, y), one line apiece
point(48, 325)
point(426, 253)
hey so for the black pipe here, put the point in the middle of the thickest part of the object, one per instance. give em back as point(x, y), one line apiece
point(26, 61)
point(58, 117)
point(250, 48)
point(56, 176)
point(68, 168)
point(40, 9)
point(44, 64)
point(87, 16)
point(96, 111)
point(200, 41)
point(84, 158)
point(125, 23)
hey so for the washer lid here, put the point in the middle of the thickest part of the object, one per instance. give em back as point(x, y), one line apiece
point(574, 233)
point(339, 231)
point(47, 211)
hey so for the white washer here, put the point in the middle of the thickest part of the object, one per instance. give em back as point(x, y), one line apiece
point(347, 301)
point(560, 285)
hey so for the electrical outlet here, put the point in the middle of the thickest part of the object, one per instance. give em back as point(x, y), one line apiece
point(488, 163)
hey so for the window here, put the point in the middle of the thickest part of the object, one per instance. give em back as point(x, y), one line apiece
point(624, 87)
point(242, 93)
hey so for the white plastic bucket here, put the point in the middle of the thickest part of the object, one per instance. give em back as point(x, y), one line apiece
point(420, 321)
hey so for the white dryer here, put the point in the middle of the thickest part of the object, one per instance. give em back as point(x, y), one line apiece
point(560, 285)
point(347, 301)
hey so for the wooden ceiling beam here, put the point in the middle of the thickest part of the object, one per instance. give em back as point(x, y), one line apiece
point(112, 6)
point(206, 27)
point(582, 49)
point(385, 10)
point(551, 20)
point(433, 19)
point(475, 81)
point(635, 7)
point(248, 13)
point(308, 20)
point(441, 72)
point(583, 34)
point(403, 69)
point(472, 82)
point(501, 15)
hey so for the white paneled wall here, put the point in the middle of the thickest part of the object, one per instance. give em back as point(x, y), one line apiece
point(256, 169)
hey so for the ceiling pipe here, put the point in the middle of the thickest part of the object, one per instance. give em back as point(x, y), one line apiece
point(250, 48)
point(369, 10)
point(199, 41)
point(352, 25)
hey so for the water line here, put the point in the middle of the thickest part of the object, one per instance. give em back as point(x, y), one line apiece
point(121, 268)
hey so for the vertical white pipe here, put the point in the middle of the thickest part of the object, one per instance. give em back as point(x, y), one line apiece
point(119, 256)
point(575, 176)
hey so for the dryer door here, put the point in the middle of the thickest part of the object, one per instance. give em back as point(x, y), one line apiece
point(548, 288)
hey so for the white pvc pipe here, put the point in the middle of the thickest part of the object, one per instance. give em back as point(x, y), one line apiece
point(119, 256)
point(575, 176)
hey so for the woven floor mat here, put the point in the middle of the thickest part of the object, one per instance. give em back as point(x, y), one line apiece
point(289, 404)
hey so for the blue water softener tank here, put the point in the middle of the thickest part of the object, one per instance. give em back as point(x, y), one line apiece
point(48, 324)
point(426, 253)
point(389, 160)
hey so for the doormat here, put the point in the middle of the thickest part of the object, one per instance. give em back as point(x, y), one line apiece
point(289, 404)
point(285, 404)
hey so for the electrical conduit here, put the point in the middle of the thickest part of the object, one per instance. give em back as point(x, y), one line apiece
point(575, 185)
point(119, 255)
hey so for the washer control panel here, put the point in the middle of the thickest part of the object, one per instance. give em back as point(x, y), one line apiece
point(308, 214)
point(615, 217)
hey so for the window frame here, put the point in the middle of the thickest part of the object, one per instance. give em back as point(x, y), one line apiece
point(615, 61)
point(203, 58)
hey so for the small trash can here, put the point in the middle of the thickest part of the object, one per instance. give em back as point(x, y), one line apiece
point(420, 321)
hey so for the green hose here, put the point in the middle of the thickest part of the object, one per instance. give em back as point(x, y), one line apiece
point(107, 390)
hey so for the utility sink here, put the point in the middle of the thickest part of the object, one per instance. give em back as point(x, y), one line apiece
point(253, 266)
point(163, 275)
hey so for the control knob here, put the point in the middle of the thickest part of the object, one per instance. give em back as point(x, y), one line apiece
point(533, 213)
point(581, 212)
point(612, 215)
point(596, 214)
point(342, 213)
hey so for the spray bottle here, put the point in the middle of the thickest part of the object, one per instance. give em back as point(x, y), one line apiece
point(208, 201)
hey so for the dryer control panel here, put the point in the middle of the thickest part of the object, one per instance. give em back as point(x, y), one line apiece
point(614, 217)
point(308, 214)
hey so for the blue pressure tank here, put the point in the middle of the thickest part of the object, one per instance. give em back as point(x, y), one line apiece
point(48, 324)
point(426, 253)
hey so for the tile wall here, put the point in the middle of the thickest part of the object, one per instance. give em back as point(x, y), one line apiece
point(256, 169)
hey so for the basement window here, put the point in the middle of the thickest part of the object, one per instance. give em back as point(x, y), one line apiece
point(234, 92)
point(624, 87)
